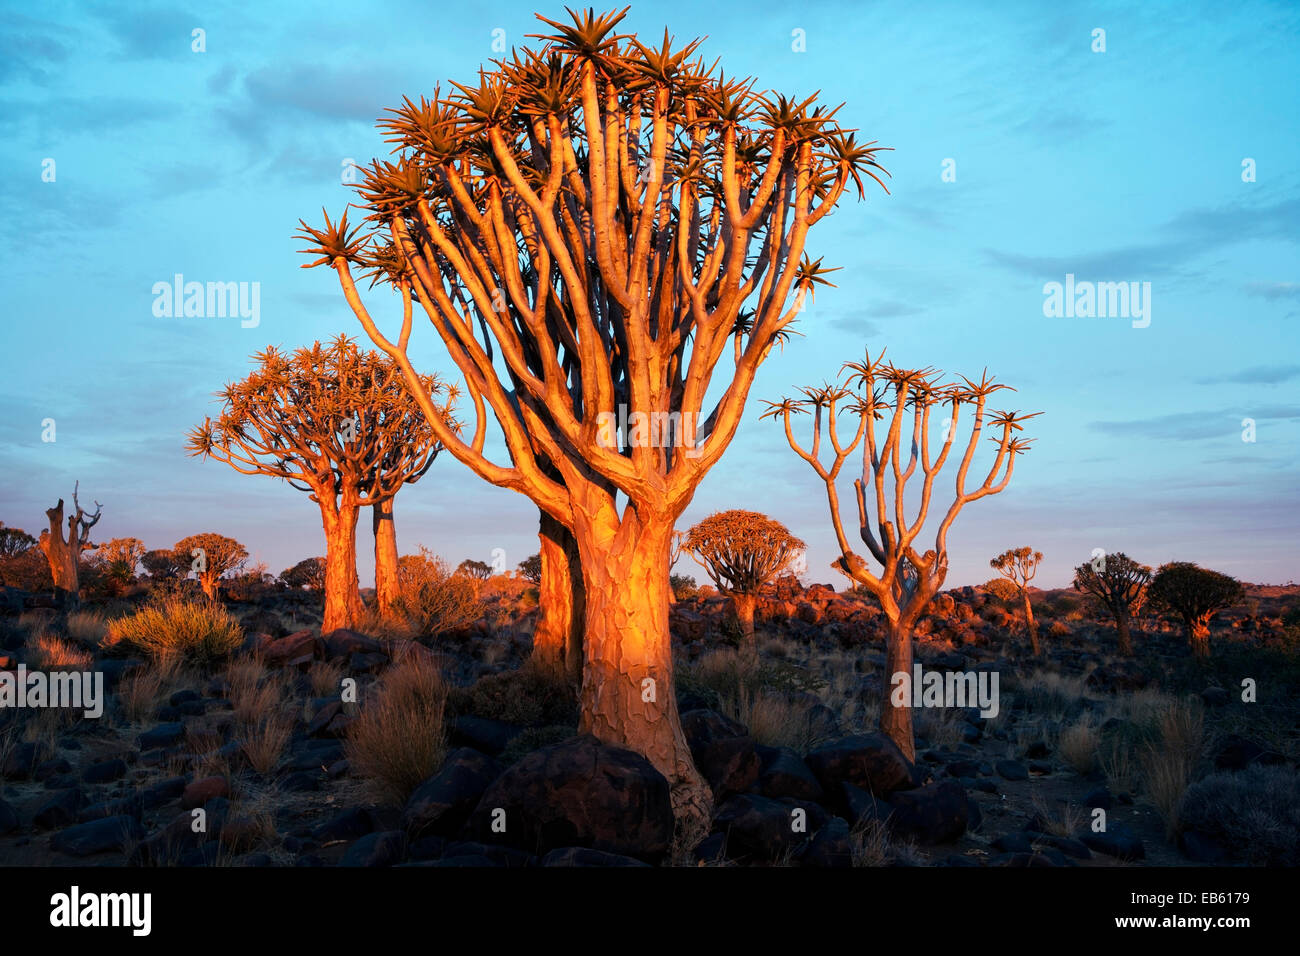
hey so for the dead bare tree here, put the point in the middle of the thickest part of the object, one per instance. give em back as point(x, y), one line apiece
point(908, 580)
point(64, 554)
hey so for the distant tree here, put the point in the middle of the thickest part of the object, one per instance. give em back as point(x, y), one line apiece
point(531, 568)
point(339, 424)
point(120, 556)
point(1195, 594)
point(307, 573)
point(742, 551)
point(1018, 566)
point(901, 399)
point(14, 541)
point(164, 564)
point(211, 557)
point(1000, 589)
point(64, 554)
point(1120, 584)
point(479, 570)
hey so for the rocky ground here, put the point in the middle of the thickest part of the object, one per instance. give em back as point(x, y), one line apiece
point(1163, 744)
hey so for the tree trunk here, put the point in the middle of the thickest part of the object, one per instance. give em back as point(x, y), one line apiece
point(209, 584)
point(742, 606)
point(1030, 624)
point(628, 696)
point(387, 590)
point(557, 638)
point(896, 722)
point(1122, 632)
point(62, 557)
point(1198, 635)
point(342, 589)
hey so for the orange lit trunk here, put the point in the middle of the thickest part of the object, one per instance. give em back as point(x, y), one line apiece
point(342, 589)
point(1030, 624)
point(557, 638)
point(628, 697)
point(896, 722)
point(1122, 633)
point(742, 606)
point(386, 587)
point(1198, 635)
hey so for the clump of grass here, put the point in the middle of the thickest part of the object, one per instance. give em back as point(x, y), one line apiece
point(1078, 745)
point(531, 696)
point(253, 694)
point(266, 737)
point(775, 720)
point(1168, 764)
point(1051, 695)
point(399, 738)
point(1253, 813)
point(199, 632)
point(870, 844)
point(47, 652)
point(325, 678)
point(87, 628)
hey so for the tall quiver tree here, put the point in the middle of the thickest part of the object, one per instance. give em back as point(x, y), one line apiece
point(1195, 594)
point(907, 580)
point(585, 226)
point(64, 553)
point(339, 424)
point(742, 551)
point(1120, 584)
point(1019, 565)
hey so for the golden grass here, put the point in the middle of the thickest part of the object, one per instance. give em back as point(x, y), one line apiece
point(264, 739)
point(399, 738)
point(199, 632)
point(1078, 744)
point(325, 678)
point(1169, 762)
point(88, 628)
point(47, 652)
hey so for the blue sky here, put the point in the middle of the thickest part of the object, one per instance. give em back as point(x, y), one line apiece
point(1122, 165)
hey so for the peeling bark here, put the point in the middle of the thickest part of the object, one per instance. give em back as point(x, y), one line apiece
point(342, 589)
point(896, 722)
point(387, 589)
point(557, 638)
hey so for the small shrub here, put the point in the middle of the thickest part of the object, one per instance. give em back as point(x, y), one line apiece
point(399, 738)
point(47, 652)
point(683, 586)
point(433, 600)
point(86, 627)
point(1253, 813)
point(1078, 745)
point(199, 632)
point(530, 696)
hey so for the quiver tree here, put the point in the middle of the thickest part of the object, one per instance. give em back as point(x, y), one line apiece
point(478, 570)
point(307, 573)
point(1120, 584)
point(164, 564)
point(589, 229)
point(1019, 565)
point(341, 425)
point(64, 553)
point(742, 551)
point(874, 392)
point(530, 568)
point(211, 557)
point(1195, 594)
point(557, 638)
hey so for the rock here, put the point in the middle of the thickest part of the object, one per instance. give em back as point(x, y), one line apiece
point(240, 834)
point(582, 856)
point(165, 791)
point(49, 769)
point(1011, 770)
point(1098, 797)
point(444, 802)
point(580, 792)
point(863, 807)
point(9, 821)
point(484, 734)
point(59, 811)
point(164, 735)
point(1017, 842)
point(869, 761)
point(784, 774)
point(1238, 753)
point(1214, 697)
point(376, 849)
point(348, 825)
point(1118, 841)
point(344, 642)
point(105, 771)
point(765, 828)
point(830, 847)
point(1201, 848)
point(1119, 676)
point(199, 792)
point(320, 723)
point(930, 815)
point(293, 650)
point(723, 752)
point(712, 850)
point(19, 763)
point(98, 836)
